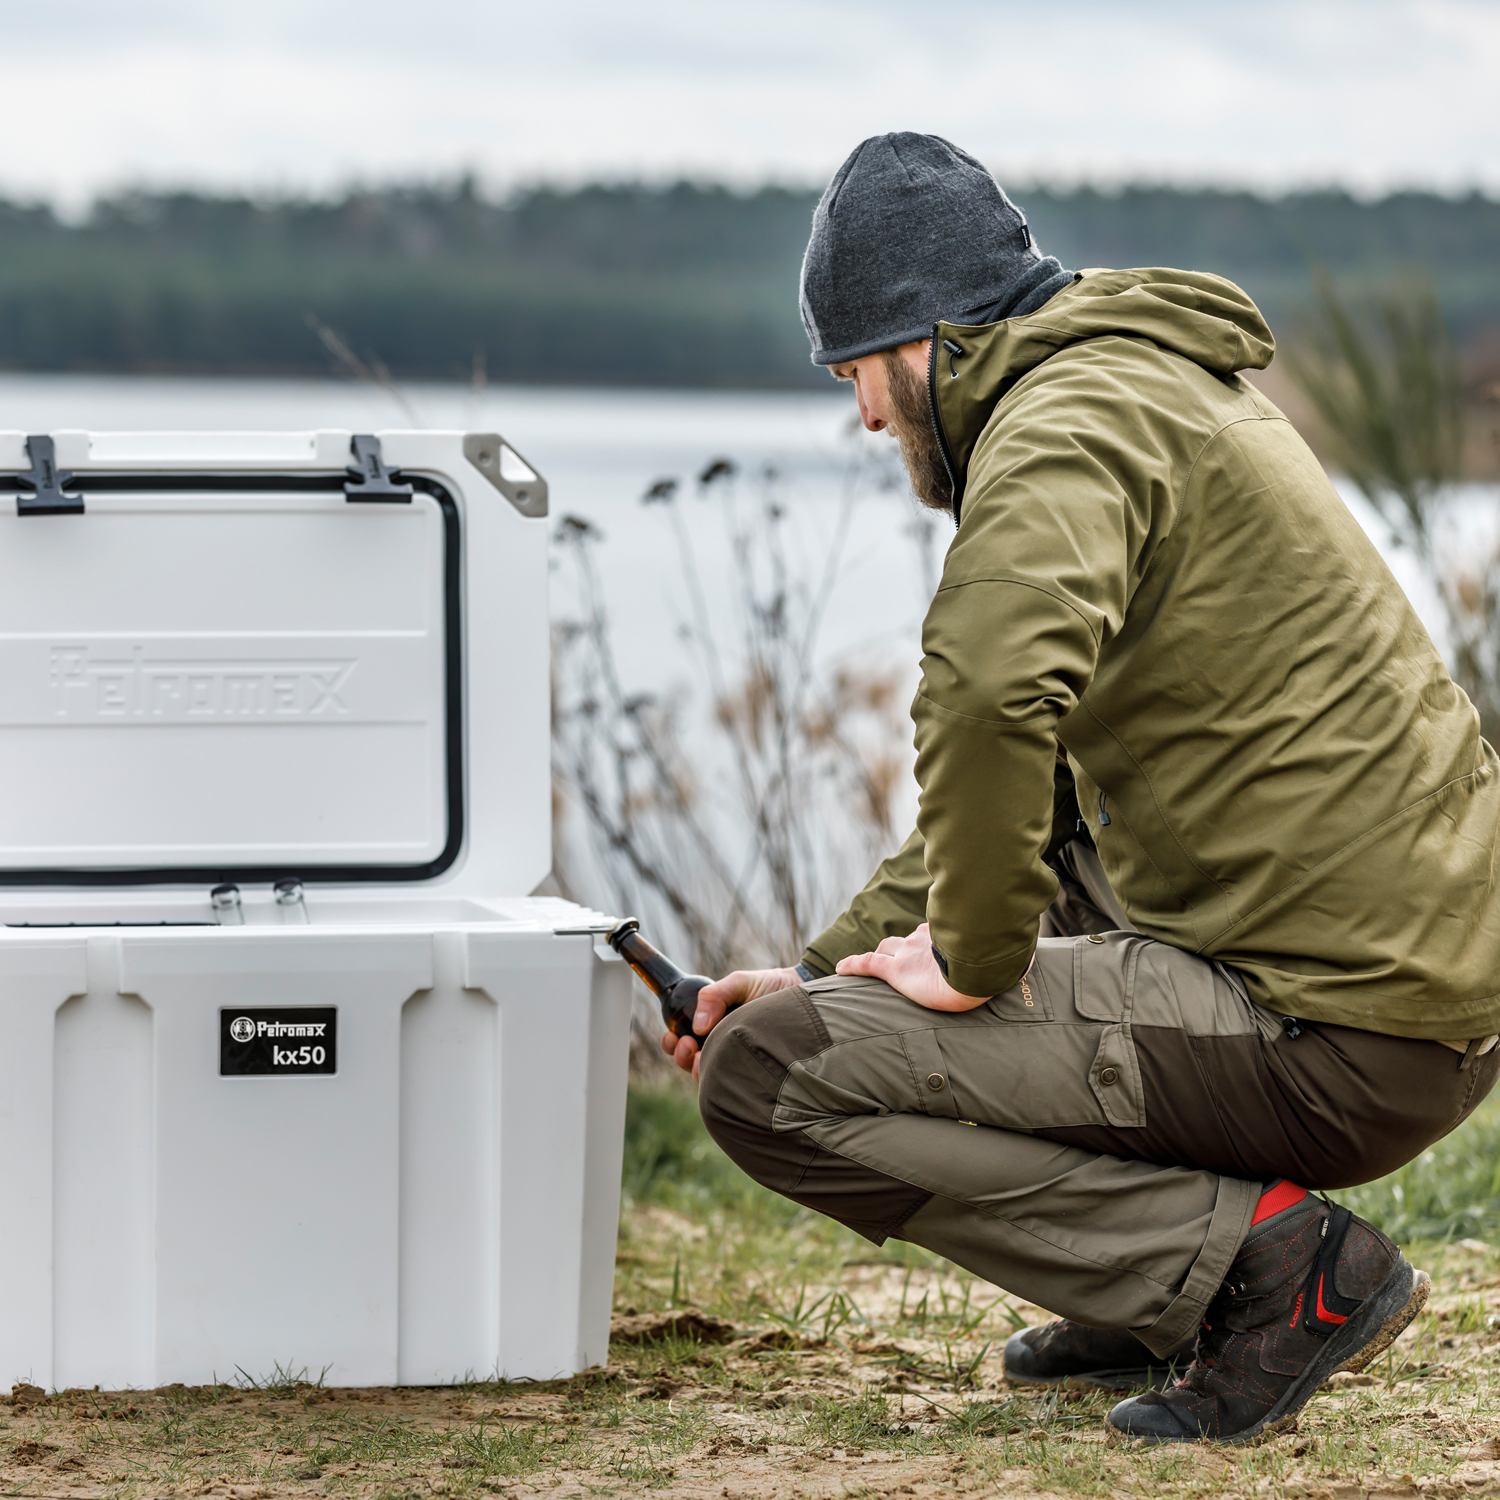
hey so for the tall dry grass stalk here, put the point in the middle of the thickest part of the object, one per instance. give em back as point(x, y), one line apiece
point(737, 815)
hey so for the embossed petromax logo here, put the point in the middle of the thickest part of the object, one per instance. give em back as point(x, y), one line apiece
point(86, 685)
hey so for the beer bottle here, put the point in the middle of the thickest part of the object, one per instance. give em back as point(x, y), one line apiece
point(677, 992)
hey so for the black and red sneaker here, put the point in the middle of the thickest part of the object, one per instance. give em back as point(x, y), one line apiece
point(1313, 1290)
point(1066, 1353)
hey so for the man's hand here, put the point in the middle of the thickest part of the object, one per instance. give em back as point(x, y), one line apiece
point(715, 999)
point(907, 965)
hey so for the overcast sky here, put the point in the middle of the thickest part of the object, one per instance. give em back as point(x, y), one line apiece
point(309, 94)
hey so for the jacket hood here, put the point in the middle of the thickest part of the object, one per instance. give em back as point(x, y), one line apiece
point(1195, 314)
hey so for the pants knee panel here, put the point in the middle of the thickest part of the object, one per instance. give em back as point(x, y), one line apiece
point(745, 1061)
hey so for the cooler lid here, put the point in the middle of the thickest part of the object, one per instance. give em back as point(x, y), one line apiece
point(228, 675)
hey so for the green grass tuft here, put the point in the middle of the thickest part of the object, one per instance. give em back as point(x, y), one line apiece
point(1450, 1192)
point(863, 1421)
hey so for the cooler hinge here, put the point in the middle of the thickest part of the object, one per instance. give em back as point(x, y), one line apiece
point(47, 485)
point(369, 479)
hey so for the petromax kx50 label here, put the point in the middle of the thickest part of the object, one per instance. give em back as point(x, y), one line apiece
point(280, 1041)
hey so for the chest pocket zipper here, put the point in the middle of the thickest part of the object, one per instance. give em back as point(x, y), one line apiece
point(1103, 815)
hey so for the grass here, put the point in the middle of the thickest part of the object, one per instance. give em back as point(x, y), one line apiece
point(932, 1337)
point(1451, 1192)
point(853, 1372)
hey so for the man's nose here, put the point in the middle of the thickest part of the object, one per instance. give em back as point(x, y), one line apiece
point(868, 417)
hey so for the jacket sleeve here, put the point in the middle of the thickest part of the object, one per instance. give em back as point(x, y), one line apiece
point(1036, 581)
point(891, 905)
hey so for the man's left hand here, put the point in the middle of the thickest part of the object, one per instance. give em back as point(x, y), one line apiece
point(907, 965)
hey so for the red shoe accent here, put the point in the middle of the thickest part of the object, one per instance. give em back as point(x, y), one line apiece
point(1323, 1312)
point(1297, 1310)
point(1283, 1195)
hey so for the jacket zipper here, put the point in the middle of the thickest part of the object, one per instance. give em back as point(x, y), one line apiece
point(937, 426)
point(1103, 816)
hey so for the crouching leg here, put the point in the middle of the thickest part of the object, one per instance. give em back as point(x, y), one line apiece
point(837, 1096)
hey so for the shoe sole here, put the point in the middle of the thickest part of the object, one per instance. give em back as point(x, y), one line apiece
point(1383, 1316)
point(1146, 1378)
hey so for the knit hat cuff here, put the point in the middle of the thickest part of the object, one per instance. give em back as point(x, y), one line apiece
point(872, 346)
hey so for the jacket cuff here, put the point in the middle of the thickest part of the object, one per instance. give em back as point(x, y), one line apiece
point(811, 966)
point(983, 979)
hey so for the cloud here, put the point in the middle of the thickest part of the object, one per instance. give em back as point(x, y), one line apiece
point(271, 93)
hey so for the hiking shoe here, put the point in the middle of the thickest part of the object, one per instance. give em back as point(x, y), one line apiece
point(1313, 1290)
point(1066, 1353)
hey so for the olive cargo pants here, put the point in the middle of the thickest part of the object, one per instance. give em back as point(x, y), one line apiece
point(1093, 1140)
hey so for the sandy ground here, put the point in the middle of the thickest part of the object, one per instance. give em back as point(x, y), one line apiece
point(907, 1399)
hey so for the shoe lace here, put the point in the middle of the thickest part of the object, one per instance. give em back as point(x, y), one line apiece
point(1211, 1342)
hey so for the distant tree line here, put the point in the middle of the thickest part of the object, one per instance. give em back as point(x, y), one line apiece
point(686, 285)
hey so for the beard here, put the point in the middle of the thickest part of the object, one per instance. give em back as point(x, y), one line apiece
point(911, 424)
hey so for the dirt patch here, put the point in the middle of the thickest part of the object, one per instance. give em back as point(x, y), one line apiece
point(28, 1451)
point(905, 1396)
point(683, 1323)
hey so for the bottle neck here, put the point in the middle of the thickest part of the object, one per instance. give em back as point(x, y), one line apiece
point(658, 973)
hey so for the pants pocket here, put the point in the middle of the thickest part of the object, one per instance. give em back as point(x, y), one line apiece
point(1027, 1077)
point(1104, 966)
point(1115, 1078)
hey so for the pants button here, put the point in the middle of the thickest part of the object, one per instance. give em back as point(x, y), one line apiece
point(1096, 937)
point(1109, 1075)
point(934, 1081)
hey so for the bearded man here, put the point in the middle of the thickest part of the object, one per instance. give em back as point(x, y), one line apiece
point(1200, 913)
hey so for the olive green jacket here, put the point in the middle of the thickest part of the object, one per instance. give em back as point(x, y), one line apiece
point(1152, 570)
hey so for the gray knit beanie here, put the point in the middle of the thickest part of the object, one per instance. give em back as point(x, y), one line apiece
point(912, 230)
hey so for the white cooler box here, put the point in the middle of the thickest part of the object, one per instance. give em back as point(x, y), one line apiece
point(360, 1112)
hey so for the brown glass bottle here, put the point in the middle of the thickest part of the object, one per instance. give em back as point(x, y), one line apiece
point(677, 992)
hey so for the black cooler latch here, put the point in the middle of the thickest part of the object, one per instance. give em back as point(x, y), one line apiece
point(369, 479)
point(47, 485)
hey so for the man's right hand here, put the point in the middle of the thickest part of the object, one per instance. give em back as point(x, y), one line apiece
point(715, 1000)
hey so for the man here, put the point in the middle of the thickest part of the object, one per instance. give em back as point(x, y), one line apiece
point(1200, 911)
